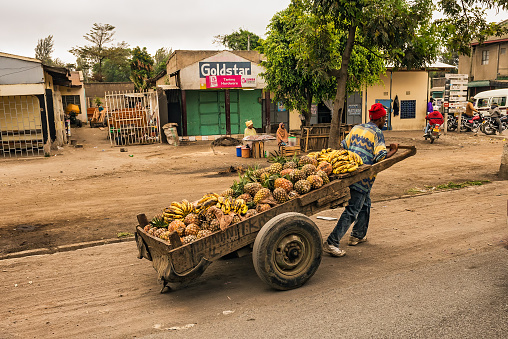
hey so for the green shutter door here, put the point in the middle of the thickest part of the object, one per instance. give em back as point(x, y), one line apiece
point(210, 113)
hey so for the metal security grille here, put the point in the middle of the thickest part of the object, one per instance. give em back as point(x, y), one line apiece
point(133, 118)
point(408, 109)
point(21, 126)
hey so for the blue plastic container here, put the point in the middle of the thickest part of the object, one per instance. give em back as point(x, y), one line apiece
point(239, 151)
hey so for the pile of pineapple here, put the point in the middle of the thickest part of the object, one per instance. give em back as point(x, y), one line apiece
point(256, 191)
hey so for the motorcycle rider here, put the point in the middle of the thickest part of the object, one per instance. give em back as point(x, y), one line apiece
point(434, 118)
point(470, 110)
point(495, 114)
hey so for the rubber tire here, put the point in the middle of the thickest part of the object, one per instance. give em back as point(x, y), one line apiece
point(489, 130)
point(432, 140)
point(264, 251)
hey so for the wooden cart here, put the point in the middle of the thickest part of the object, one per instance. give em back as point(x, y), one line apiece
point(286, 244)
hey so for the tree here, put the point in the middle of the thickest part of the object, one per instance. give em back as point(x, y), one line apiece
point(466, 20)
point(241, 40)
point(398, 31)
point(292, 71)
point(93, 56)
point(161, 58)
point(44, 49)
point(141, 65)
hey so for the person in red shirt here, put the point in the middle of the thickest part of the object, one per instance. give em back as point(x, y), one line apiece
point(434, 118)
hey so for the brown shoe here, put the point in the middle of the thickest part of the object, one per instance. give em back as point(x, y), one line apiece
point(353, 241)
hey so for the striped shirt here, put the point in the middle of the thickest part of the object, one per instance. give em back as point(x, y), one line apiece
point(368, 142)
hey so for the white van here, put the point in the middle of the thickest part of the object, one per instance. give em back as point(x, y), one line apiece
point(483, 100)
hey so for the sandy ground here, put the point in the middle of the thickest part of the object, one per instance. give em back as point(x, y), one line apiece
point(95, 192)
point(105, 292)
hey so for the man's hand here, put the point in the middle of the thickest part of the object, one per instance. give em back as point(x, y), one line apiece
point(393, 150)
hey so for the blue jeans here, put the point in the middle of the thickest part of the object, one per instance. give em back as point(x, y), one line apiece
point(357, 211)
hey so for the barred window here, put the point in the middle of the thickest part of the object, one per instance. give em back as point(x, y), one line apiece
point(408, 109)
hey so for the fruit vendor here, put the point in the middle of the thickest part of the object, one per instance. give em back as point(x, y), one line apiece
point(282, 135)
point(249, 130)
point(366, 140)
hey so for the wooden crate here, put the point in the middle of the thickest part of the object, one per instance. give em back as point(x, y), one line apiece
point(289, 151)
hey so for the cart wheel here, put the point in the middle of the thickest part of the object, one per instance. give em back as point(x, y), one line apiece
point(287, 251)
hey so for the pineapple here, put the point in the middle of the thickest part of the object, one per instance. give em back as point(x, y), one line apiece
point(228, 193)
point(236, 219)
point(286, 171)
point(147, 228)
point(304, 160)
point(293, 194)
point(290, 165)
point(262, 194)
point(191, 218)
point(214, 225)
point(159, 232)
point(192, 229)
point(309, 169)
point(159, 221)
point(250, 213)
point(188, 239)
point(296, 175)
point(264, 176)
point(245, 197)
point(302, 186)
point(252, 188)
point(283, 183)
point(262, 207)
point(203, 234)
point(315, 181)
point(275, 168)
point(176, 224)
point(326, 167)
point(323, 176)
point(280, 195)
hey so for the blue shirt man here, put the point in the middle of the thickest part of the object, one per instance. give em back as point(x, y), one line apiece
point(366, 140)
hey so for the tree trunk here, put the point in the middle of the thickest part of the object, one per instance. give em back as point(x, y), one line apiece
point(308, 116)
point(338, 103)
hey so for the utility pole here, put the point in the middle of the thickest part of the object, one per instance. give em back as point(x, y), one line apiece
point(248, 42)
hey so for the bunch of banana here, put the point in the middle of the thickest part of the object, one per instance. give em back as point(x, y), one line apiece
point(239, 206)
point(177, 210)
point(355, 158)
point(345, 167)
point(328, 154)
point(206, 201)
point(225, 204)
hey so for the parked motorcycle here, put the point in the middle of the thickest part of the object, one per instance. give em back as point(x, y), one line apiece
point(489, 126)
point(471, 124)
point(432, 133)
point(451, 124)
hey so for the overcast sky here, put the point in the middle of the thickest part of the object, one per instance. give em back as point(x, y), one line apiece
point(175, 24)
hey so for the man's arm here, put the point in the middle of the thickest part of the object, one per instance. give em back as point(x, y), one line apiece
point(393, 150)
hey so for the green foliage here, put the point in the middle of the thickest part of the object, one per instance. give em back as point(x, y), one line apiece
point(161, 58)
point(141, 65)
point(124, 235)
point(44, 49)
point(466, 21)
point(97, 101)
point(240, 40)
point(92, 57)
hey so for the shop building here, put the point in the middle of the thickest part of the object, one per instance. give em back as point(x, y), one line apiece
point(213, 93)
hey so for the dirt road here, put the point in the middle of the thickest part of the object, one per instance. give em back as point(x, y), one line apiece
point(95, 192)
point(105, 292)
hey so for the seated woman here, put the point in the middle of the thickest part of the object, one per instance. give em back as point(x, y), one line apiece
point(282, 135)
point(249, 130)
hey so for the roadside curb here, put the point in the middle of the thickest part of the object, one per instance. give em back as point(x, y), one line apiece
point(64, 248)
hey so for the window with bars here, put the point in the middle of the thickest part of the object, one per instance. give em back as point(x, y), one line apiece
point(407, 109)
point(485, 57)
point(70, 99)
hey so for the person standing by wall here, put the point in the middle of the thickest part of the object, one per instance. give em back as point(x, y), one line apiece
point(366, 140)
point(430, 106)
point(282, 135)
